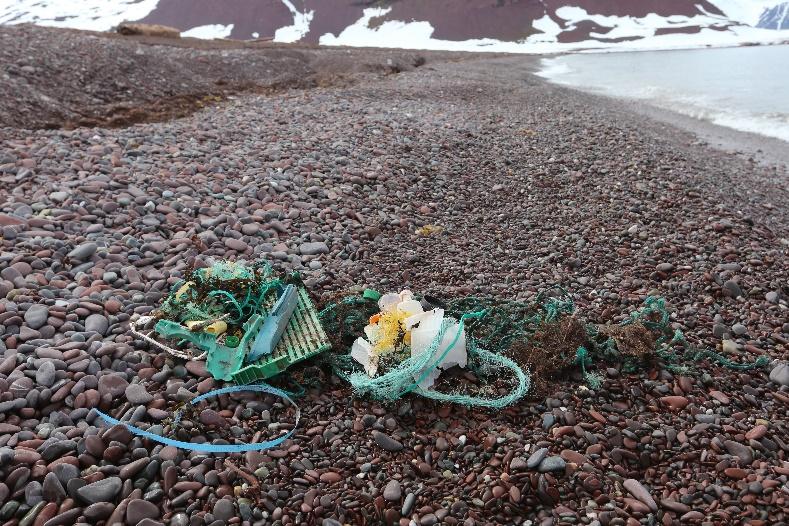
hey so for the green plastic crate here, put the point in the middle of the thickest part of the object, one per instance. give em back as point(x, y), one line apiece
point(303, 338)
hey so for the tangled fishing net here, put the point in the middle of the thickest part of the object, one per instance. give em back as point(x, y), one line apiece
point(391, 345)
point(511, 346)
point(228, 290)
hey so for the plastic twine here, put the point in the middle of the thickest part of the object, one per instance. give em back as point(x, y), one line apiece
point(215, 448)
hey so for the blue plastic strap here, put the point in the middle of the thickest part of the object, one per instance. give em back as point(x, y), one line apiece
point(216, 448)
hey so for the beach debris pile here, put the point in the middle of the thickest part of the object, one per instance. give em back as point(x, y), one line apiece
point(404, 326)
point(248, 324)
point(486, 352)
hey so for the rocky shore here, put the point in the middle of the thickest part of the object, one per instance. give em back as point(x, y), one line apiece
point(531, 185)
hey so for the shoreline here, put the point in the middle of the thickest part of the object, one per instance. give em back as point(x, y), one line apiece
point(764, 150)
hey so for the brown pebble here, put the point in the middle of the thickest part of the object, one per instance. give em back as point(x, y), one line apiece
point(735, 473)
point(757, 432)
point(331, 477)
point(675, 402)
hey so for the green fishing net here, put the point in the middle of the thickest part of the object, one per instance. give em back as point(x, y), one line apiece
point(232, 291)
point(510, 340)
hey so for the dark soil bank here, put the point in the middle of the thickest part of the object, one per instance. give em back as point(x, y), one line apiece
point(532, 185)
point(55, 78)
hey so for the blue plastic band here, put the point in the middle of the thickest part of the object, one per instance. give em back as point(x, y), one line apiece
point(216, 448)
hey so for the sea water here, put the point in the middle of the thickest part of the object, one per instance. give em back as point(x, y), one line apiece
point(745, 88)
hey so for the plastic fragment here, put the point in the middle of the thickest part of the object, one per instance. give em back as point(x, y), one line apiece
point(274, 325)
point(428, 330)
point(216, 328)
point(362, 352)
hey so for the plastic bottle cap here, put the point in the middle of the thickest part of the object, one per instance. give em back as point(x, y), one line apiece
point(232, 341)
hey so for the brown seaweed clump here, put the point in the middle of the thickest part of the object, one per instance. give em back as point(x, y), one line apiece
point(634, 340)
point(550, 351)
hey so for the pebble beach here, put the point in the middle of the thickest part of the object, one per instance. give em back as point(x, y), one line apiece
point(448, 174)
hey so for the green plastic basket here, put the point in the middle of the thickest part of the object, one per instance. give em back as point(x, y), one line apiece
point(303, 338)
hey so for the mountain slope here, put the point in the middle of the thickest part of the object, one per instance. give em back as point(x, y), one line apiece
point(481, 25)
point(775, 18)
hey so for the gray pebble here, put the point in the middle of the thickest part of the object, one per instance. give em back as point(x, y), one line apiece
point(535, 458)
point(103, 490)
point(780, 374)
point(45, 375)
point(97, 323)
point(386, 442)
point(137, 394)
point(553, 463)
point(312, 249)
point(392, 491)
point(83, 251)
point(36, 316)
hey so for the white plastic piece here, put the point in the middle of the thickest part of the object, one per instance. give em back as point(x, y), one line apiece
point(362, 352)
point(423, 335)
point(410, 307)
point(414, 319)
point(388, 302)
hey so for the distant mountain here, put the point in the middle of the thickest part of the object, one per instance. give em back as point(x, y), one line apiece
point(775, 18)
point(480, 25)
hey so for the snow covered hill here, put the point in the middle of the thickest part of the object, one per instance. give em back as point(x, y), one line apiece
point(531, 26)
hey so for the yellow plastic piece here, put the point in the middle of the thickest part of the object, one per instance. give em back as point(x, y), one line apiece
point(216, 328)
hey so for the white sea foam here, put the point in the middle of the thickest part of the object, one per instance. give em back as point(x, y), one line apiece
point(738, 88)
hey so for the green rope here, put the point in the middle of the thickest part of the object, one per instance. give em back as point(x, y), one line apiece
point(493, 326)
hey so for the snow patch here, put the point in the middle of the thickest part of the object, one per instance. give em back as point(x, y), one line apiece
point(418, 34)
point(94, 15)
point(299, 28)
point(209, 31)
point(390, 34)
point(548, 28)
